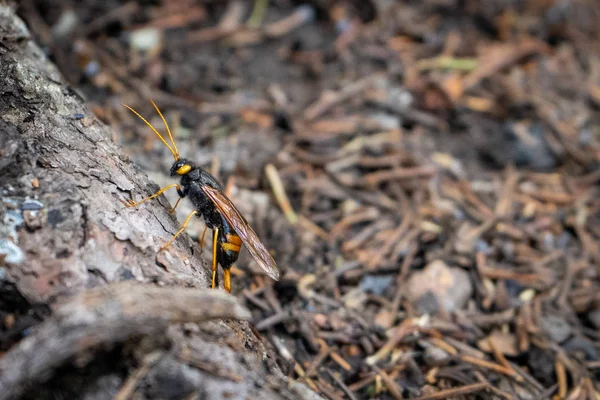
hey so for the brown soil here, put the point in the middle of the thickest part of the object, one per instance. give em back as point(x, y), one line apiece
point(441, 160)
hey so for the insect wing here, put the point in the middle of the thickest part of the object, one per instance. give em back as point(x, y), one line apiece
point(249, 237)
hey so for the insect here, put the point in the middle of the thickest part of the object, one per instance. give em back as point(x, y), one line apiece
point(229, 227)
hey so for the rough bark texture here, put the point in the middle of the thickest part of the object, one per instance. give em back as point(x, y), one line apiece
point(64, 232)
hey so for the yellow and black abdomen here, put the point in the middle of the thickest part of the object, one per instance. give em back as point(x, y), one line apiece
point(228, 249)
point(229, 245)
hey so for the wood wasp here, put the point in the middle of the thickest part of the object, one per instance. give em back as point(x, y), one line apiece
point(230, 228)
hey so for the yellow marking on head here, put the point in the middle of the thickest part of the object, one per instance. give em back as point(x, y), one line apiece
point(184, 169)
point(235, 239)
point(230, 247)
point(173, 149)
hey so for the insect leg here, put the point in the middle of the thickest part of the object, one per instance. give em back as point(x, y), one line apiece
point(202, 238)
point(227, 279)
point(214, 259)
point(187, 221)
point(172, 210)
point(181, 194)
point(130, 203)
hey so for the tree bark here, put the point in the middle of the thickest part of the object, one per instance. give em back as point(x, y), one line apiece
point(69, 323)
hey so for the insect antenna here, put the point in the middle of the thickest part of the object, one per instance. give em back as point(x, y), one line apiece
point(173, 151)
point(166, 126)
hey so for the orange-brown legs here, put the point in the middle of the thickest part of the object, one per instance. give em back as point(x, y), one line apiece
point(185, 224)
point(214, 259)
point(227, 279)
point(130, 203)
point(172, 210)
point(202, 238)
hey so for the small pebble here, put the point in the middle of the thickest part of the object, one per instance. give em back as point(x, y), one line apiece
point(376, 284)
point(556, 328)
point(435, 356)
point(145, 39)
point(504, 342)
point(385, 319)
point(450, 286)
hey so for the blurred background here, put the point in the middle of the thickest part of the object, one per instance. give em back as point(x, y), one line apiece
point(425, 173)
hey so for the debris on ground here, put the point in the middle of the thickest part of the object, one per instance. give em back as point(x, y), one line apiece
point(425, 173)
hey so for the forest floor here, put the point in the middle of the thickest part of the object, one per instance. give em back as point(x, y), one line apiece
point(437, 226)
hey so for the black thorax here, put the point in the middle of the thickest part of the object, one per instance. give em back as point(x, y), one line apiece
point(191, 184)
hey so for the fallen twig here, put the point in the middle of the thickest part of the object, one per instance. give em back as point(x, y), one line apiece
point(107, 315)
